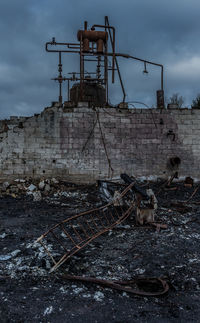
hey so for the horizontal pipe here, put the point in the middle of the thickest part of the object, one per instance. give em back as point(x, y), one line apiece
point(144, 61)
point(59, 51)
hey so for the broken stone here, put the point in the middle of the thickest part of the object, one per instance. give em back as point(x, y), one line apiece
point(116, 200)
point(4, 257)
point(48, 310)
point(98, 296)
point(47, 188)
point(41, 185)
point(20, 186)
point(153, 199)
point(9, 256)
point(54, 181)
point(5, 185)
point(19, 180)
point(31, 188)
point(37, 196)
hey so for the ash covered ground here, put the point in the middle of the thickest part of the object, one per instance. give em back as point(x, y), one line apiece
point(28, 293)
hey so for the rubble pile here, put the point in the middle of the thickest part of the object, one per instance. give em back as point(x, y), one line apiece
point(29, 186)
point(51, 190)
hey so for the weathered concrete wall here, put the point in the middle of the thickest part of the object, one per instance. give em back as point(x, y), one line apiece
point(85, 144)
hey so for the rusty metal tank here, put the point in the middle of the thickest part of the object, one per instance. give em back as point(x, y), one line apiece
point(87, 36)
point(92, 92)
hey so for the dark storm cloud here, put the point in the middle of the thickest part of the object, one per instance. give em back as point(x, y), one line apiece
point(164, 31)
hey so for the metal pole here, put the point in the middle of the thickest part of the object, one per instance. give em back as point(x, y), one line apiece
point(60, 78)
point(81, 70)
point(68, 90)
point(118, 70)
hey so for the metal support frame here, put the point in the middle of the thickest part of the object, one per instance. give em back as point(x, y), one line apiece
point(85, 56)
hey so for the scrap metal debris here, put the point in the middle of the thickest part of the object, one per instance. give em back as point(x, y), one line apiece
point(137, 286)
point(78, 231)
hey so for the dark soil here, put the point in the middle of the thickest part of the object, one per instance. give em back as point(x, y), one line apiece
point(28, 293)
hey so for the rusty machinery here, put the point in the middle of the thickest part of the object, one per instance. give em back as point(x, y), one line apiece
point(95, 46)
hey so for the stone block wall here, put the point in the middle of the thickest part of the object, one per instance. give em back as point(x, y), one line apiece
point(85, 144)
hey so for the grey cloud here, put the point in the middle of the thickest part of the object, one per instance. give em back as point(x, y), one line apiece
point(162, 31)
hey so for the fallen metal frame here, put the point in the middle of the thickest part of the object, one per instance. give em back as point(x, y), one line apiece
point(76, 232)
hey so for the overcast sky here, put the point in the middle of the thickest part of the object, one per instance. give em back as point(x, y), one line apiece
point(164, 31)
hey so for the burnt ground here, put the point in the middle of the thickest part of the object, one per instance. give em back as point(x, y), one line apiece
point(28, 293)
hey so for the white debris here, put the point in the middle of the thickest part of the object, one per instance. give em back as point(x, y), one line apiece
point(121, 235)
point(63, 235)
point(29, 193)
point(48, 265)
point(9, 256)
point(153, 198)
point(5, 185)
point(31, 188)
point(48, 310)
point(195, 235)
point(193, 260)
point(125, 294)
point(33, 245)
point(98, 296)
point(4, 257)
point(86, 295)
point(47, 188)
point(20, 180)
point(3, 235)
point(78, 290)
point(116, 199)
point(69, 194)
point(15, 253)
point(41, 185)
point(37, 196)
point(140, 271)
point(54, 181)
point(63, 290)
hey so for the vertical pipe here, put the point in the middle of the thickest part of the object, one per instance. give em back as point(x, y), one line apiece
point(60, 78)
point(81, 70)
point(106, 63)
point(113, 58)
point(162, 81)
point(117, 65)
point(113, 47)
point(68, 90)
point(98, 71)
